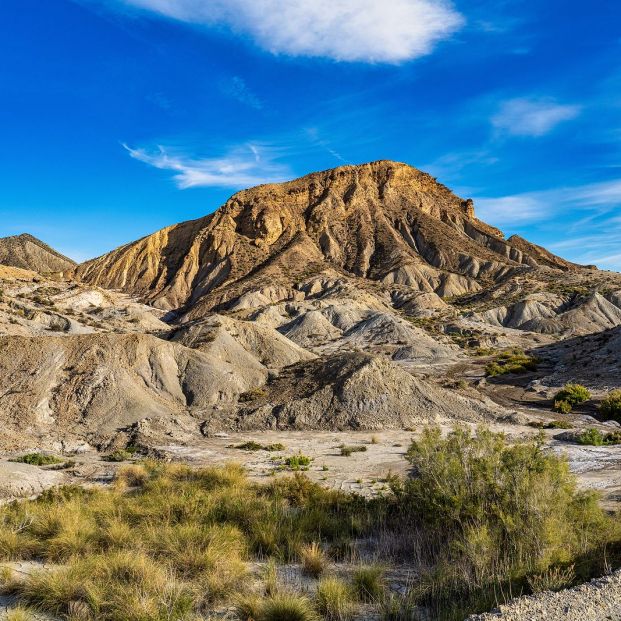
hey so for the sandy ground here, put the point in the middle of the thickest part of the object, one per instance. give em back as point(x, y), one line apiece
point(363, 472)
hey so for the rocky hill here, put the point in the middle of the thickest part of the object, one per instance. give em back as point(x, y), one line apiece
point(385, 221)
point(363, 297)
point(29, 253)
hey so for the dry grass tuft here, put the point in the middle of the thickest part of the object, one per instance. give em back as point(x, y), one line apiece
point(313, 560)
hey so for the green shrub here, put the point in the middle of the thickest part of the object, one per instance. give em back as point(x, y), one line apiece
point(562, 406)
point(594, 437)
point(38, 459)
point(574, 394)
point(610, 407)
point(118, 456)
point(252, 394)
point(346, 451)
point(334, 599)
point(512, 361)
point(298, 462)
point(490, 512)
point(552, 424)
point(255, 446)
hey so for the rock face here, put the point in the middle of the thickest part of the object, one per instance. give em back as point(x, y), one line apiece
point(29, 253)
point(384, 221)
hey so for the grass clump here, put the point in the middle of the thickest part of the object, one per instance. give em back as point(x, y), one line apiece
point(574, 394)
point(109, 587)
point(347, 451)
point(335, 599)
point(610, 407)
point(287, 607)
point(256, 446)
point(38, 459)
point(313, 560)
point(553, 579)
point(368, 583)
point(512, 361)
point(562, 406)
point(298, 462)
point(19, 614)
point(594, 437)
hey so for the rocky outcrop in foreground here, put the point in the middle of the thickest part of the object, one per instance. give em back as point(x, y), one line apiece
point(599, 600)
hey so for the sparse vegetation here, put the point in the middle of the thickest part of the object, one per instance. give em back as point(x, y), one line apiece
point(574, 394)
point(553, 579)
point(38, 459)
point(368, 583)
point(313, 560)
point(552, 424)
point(347, 451)
point(335, 599)
point(610, 407)
point(118, 456)
point(168, 542)
point(512, 361)
point(298, 462)
point(562, 406)
point(594, 437)
point(256, 446)
point(252, 394)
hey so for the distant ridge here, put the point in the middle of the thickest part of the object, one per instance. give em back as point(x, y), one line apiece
point(29, 253)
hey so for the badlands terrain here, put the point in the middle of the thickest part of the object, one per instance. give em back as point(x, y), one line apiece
point(351, 307)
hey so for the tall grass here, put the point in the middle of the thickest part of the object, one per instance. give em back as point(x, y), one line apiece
point(479, 517)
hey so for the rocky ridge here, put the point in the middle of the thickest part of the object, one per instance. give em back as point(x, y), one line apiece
point(29, 253)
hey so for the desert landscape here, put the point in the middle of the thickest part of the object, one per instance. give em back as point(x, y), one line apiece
point(310, 310)
point(299, 397)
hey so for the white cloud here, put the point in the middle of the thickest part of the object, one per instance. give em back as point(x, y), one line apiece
point(594, 199)
point(391, 31)
point(242, 167)
point(532, 117)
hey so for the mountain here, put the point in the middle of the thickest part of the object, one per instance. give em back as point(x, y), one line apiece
point(385, 222)
point(29, 253)
point(364, 297)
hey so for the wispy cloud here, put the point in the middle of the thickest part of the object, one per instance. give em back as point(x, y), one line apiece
point(345, 30)
point(532, 116)
point(592, 199)
point(241, 167)
point(238, 89)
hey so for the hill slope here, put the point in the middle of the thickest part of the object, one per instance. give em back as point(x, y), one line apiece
point(29, 253)
point(384, 221)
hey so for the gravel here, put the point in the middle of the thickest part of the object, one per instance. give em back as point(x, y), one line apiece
point(599, 600)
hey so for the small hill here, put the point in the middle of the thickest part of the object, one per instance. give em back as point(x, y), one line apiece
point(29, 253)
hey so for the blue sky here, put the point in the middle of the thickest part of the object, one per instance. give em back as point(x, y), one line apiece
point(119, 117)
